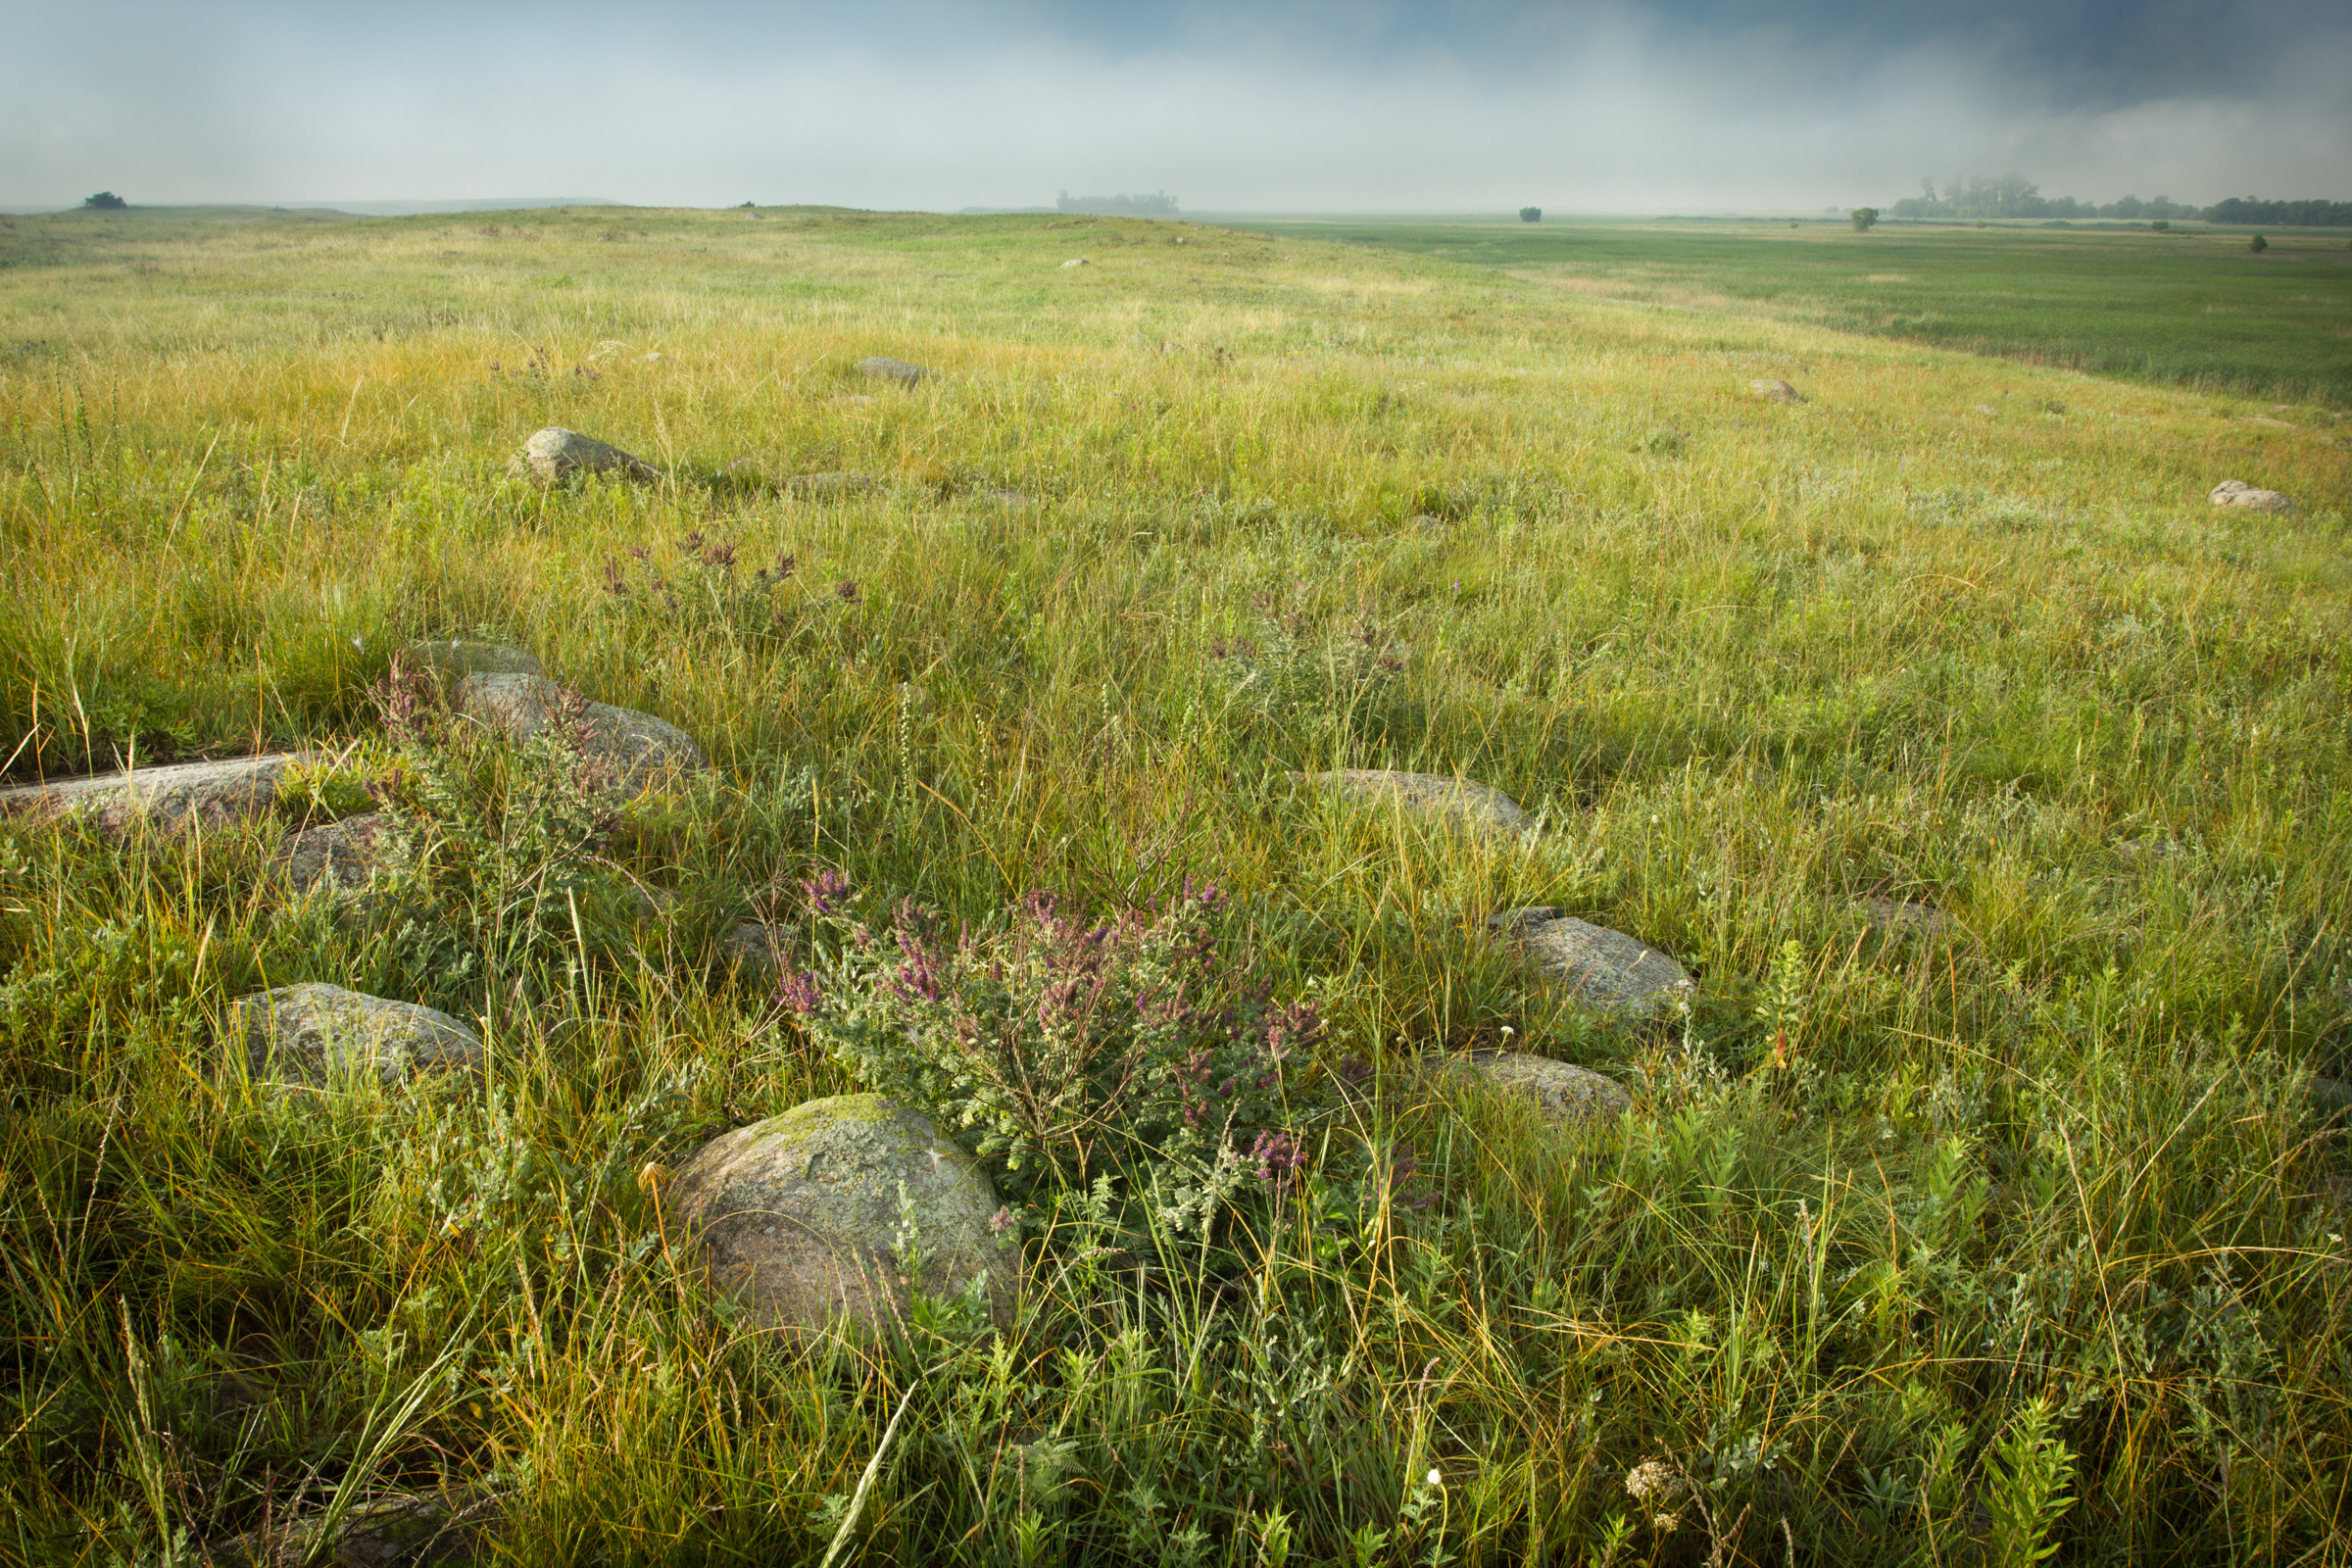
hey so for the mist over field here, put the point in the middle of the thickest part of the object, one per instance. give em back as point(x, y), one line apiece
point(1667, 106)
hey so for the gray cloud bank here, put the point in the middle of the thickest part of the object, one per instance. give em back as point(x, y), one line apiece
point(1677, 104)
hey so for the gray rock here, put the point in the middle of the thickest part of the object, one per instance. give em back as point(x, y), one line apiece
point(1900, 918)
point(830, 484)
point(176, 796)
point(323, 1035)
point(1564, 1093)
point(2276, 425)
point(1775, 390)
point(802, 1214)
point(456, 658)
point(1475, 806)
point(397, 1531)
point(2238, 492)
point(556, 452)
point(754, 951)
point(642, 751)
point(898, 371)
point(341, 855)
point(1078, 261)
point(1601, 969)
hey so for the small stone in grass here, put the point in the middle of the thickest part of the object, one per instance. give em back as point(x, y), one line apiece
point(1603, 970)
point(1562, 1091)
point(1475, 805)
point(2238, 492)
point(324, 1036)
point(1776, 391)
point(555, 453)
point(888, 370)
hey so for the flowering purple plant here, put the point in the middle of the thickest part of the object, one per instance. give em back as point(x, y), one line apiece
point(1067, 1046)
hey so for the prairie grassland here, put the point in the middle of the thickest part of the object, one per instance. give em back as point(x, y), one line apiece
point(2191, 307)
point(1942, 1248)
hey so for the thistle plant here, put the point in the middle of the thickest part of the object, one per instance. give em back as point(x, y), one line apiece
point(1064, 1050)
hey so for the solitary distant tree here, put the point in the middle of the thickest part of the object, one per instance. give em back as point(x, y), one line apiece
point(1862, 218)
point(106, 201)
point(1531, 214)
point(2258, 244)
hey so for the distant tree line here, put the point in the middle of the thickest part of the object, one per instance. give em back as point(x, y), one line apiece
point(1159, 204)
point(2015, 196)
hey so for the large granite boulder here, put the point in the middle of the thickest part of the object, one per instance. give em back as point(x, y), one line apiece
point(555, 453)
point(641, 750)
point(1775, 390)
point(887, 369)
point(339, 855)
point(324, 1036)
point(2238, 492)
point(803, 1214)
point(1475, 806)
point(1562, 1092)
point(176, 794)
point(1601, 969)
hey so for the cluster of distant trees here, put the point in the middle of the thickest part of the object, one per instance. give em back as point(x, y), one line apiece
point(1159, 204)
point(2015, 196)
point(106, 201)
point(2313, 214)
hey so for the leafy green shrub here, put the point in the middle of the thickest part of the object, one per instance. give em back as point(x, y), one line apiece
point(493, 850)
point(1068, 1050)
point(1863, 217)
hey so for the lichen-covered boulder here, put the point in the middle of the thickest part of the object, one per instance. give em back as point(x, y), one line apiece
point(888, 370)
point(324, 1036)
point(554, 452)
point(1605, 970)
point(811, 1215)
point(641, 750)
point(1563, 1092)
point(1475, 806)
point(1775, 390)
point(337, 855)
point(176, 796)
point(2238, 492)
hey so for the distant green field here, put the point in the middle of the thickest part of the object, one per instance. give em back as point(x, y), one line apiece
point(2194, 310)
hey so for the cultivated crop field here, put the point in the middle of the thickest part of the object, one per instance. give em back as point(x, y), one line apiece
point(2193, 307)
point(1988, 1196)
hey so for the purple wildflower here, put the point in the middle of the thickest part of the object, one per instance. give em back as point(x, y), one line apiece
point(800, 992)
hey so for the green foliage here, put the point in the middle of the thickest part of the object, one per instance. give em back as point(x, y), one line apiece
point(2258, 244)
point(1067, 1050)
point(106, 201)
point(1531, 214)
point(1863, 219)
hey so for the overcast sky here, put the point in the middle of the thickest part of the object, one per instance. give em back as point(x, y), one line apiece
point(1290, 105)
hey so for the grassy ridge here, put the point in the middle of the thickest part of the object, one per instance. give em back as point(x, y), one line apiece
point(2194, 310)
point(1754, 661)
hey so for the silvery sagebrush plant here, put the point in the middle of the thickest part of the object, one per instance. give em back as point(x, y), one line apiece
point(1061, 1050)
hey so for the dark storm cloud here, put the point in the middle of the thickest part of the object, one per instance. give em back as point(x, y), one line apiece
point(1404, 105)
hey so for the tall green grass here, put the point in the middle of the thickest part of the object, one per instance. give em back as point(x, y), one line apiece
point(2027, 1238)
